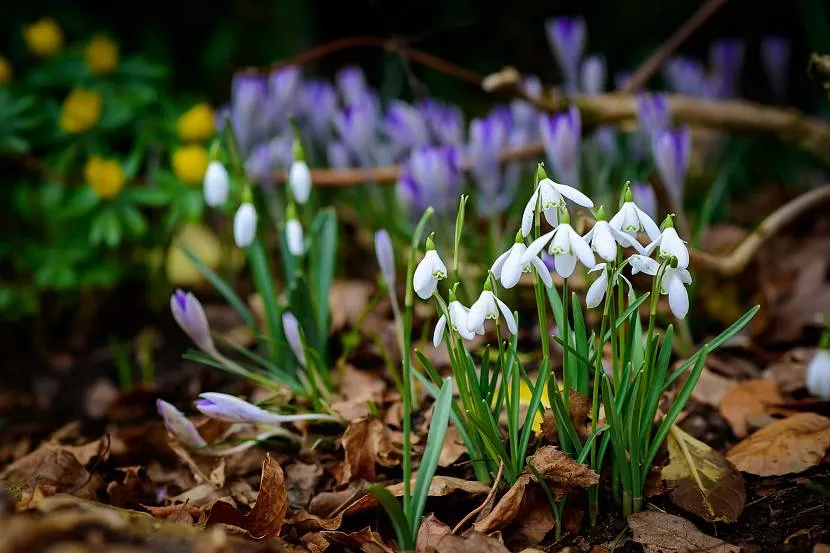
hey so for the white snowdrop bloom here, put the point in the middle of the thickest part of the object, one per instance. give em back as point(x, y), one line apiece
point(596, 292)
point(552, 198)
point(216, 185)
point(509, 266)
point(630, 219)
point(604, 238)
point(674, 284)
point(458, 323)
point(818, 374)
point(299, 180)
point(244, 225)
point(487, 306)
point(643, 264)
point(670, 245)
point(566, 246)
point(428, 272)
point(294, 237)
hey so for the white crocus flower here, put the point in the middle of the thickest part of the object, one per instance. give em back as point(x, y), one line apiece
point(630, 219)
point(818, 374)
point(299, 180)
point(458, 322)
point(566, 246)
point(428, 272)
point(487, 306)
point(552, 196)
point(670, 245)
point(244, 225)
point(509, 266)
point(216, 184)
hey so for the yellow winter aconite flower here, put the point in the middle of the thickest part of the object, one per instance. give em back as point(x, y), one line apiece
point(44, 37)
point(190, 163)
point(5, 70)
point(197, 123)
point(105, 176)
point(101, 55)
point(81, 110)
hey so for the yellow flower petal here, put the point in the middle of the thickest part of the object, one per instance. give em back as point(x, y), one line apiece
point(197, 124)
point(190, 163)
point(44, 37)
point(101, 55)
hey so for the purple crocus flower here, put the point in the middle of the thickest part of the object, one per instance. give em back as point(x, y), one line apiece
point(444, 121)
point(726, 57)
point(283, 85)
point(525, 115)
point(687, 76)
point(357, 124)
point(351, 82)
point(566, 36)
point(385, 254)
point(406, 128)
point(260, 164)
point(488, 137)
point(652, 112)
point(561, 135)
point(431, 177)
point(318, 102)
point(593, 75)
point(338, 155)
point(228, 408)
point(291, 328)
point(671, 150)
point(249, 94)
point(775, 56)
point(179, 426)
point(190, 316)
point(645, 198)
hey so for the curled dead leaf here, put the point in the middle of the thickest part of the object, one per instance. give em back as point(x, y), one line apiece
point(748, 399)
point(430, 534)
point(440, 486)
point(703, 482)
point(453, 448)
point(268, 513)
point(475, 542)
point(366, 442)
point(664, 533)
point(794, 444)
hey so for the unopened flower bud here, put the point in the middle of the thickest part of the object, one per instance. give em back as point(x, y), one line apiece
point(244, 225)
point(216, 184)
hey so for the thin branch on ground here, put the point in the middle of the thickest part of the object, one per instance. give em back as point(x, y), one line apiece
point(484, 503)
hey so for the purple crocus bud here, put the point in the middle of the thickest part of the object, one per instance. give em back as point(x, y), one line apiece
point(351, 82)
point(260, 164)
point(179, 426)
point(671, 150)
point(775, 56)
point(248, 97)
point(566, 36)
point(291, 328)
point(726, 57)
point(356, 124)
point(652, 112)
point(228, 408)
point(687, 76)
point(645, 198)
point(488, 136)
point(386, 257)
point(318, 103)
point(405, 126)
point(338, 155)
point(190, 316)
point(444, 121)
point(561, 135)
point(283, 84)
point(593, 74)
point(524, 114)
point(431, 177)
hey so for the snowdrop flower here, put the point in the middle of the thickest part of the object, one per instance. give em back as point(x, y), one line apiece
point(670, 245)
point(458, 322)
point(566, 246)
point(509, 266)
point(386, 257)
point(562, 137)
point(630, 219)
point(179, 426)
point(291, 328)
point(596, 292)
point(604, 238)
point(487, 306)
point(299, 175)
point(244, 225)
point(818, 374)
point(775, 56)
point(190, 316)
point(227, 408)
point(551, 194)
point(294, 233)
point(673, 284)
point(428, 272)
point(566, 36)
point(216, 184)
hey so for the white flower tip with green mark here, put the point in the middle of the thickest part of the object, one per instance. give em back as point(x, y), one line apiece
point(216, 184)
point(244, 225)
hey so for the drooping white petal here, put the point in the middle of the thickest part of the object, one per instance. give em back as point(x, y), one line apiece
point(818, 374)
point(582, 249)
point(422, 280)
point(244, 225)
point(477, 314)
point(603, 241)
point(678, 298)
point(496, 268)
point(685, 276)
point(438, 334)
point(529, 213)
point(508, 316)
point(294, 237)
point(623, 239)
point(439, 270)
point(642, 264)
point(574, 195)
point(672, 245)
point(597, 290)
point(551, 215)
point(536, 246)
point(458, 318)
point(564, 264)
point(299, 181)
point(550, 194)
point(617, 220)
point(513, 267)
point(651, 228)
point(543, 271)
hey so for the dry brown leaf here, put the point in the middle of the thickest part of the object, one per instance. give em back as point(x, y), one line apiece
point(180, 512)
point(51, 469)
point(300, 482)
point(561, 472)
point(711, 388)
point(794, 444)
point(475, 542)
point(303, 522)
point(821, 548)
point(430, 534)
point(268, 513)
point(367, 540)
point(748, 399)
point(347, 301)
point(325, 504)
point(439, 487)
point(703, 481)
point(452, 449)
point(664, 533)
point(790, 371)
point(366, 442)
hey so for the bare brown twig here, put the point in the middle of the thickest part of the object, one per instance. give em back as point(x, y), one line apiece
point(484, 503)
